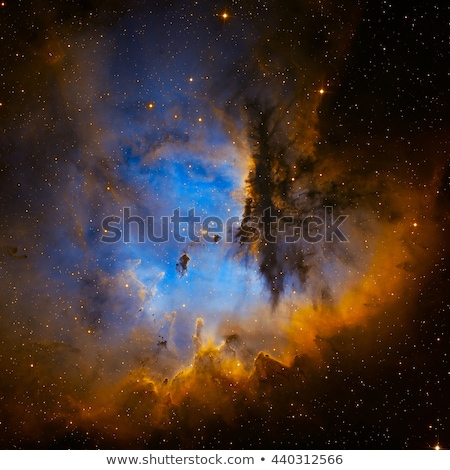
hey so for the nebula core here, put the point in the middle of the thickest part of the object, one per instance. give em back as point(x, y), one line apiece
point(308, 109)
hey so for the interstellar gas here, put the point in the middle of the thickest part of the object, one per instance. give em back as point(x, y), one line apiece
point(214, 234)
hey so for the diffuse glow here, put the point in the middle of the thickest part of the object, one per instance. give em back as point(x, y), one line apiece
point(217, 345)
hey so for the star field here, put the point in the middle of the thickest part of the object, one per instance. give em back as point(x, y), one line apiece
point(278, 117)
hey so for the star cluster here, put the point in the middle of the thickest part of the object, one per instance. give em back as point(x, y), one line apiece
point(228, 110)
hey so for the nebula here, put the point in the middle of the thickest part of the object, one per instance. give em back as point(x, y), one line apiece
point(224, 226)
